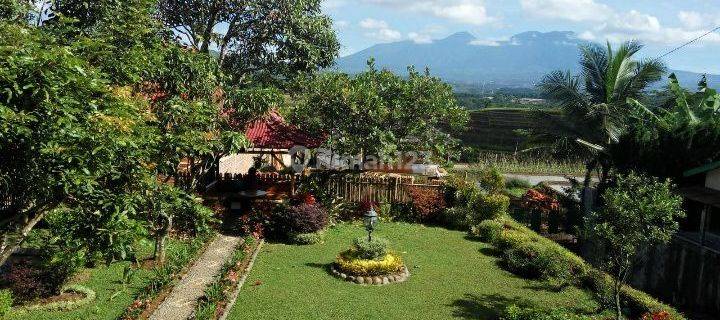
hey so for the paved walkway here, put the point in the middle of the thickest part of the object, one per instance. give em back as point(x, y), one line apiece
point(181, 301)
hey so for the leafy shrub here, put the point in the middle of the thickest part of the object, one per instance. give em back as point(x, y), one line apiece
point(307, 238)
point(514, 312)
point(545, 261)
point(370, 249)
point(455, 218)
point(488, 207)
point(509, 239)
point(490, 179)
point(488, 230)
point(6, 301)
point(517, 183)
point(351, 262)
point(303, 218)
point(427, 203)
point(29, 282)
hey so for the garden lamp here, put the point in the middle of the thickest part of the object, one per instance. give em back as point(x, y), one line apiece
point(371, 219)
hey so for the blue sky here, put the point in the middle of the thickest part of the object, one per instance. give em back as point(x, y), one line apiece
point(661, 25)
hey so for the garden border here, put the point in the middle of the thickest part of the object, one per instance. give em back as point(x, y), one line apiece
point(233, 298)
point(374, 280)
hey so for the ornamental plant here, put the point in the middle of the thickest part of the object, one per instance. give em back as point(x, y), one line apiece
point(370, 249)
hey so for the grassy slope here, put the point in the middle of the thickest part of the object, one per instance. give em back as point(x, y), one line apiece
point(452, 277)
point(105, 281)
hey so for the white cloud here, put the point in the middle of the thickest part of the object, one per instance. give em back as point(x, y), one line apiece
point(340, 24)
point(616, 26)
point(419, 37)
point(462, 11)
point(332, 4)
point(573, 10)
point(380, 30)
point(485, 42)
point(647, 28)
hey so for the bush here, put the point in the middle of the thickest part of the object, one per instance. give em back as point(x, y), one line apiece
point(6, 302)
point(303, 218)
point(490, 179)
point(488, 230)
point(488, 207)
point(350, 262)
point(514, 312)
point(307, 238)
point(456, 218)
point(29, 282)
point(517, 183)
point(427, 204)
point(370, 249)
point(509, 239)
point(544, 260)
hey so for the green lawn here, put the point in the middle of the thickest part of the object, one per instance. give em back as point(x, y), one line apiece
point(105, 281)
point(452, 277)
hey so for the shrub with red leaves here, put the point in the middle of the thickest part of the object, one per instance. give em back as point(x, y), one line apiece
point(661, 315)
point(28, 282)
point(303, 198)
point(536, 200)
point(427, 203)
point(302, 218)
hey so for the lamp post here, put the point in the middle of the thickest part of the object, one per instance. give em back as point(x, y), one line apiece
point(371, 219)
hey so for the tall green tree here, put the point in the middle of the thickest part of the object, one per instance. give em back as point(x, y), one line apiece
point(667, 139)
point(380, 113)
point(265, 40)
point(639, 212)
point(595, 109)
point(67, 139)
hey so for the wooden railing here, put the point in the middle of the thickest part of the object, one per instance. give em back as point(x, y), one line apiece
point(376, 189)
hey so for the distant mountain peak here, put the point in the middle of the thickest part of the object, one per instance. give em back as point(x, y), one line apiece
point(462, 37)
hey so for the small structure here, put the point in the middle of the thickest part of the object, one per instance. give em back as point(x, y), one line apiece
point(702, 205)
point(272, 139)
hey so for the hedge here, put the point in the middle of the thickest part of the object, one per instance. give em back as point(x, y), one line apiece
point(529, 254)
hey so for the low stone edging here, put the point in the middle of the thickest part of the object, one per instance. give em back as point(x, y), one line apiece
point(402, 276)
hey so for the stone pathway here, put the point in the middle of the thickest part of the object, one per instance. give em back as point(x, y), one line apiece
point(181, 301)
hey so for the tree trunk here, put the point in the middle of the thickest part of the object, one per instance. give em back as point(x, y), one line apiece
point(618, 308)
point(9, 246)
point(589, 167)
point(161, 238)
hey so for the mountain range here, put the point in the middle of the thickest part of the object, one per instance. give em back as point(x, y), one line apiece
point(463, 59)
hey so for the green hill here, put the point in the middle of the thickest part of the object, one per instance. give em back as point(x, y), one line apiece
point(498, 128)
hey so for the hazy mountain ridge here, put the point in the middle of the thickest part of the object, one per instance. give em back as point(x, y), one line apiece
point(520, 61)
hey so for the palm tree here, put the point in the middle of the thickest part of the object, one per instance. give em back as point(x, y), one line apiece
point(594, 104)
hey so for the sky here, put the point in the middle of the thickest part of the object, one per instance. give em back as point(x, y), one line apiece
point(660, 24)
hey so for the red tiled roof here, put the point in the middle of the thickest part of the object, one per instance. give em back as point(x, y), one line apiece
point(272, 132)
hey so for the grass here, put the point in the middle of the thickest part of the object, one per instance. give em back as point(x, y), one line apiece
point(452, 277)
point(529, 164)
point(106, 282)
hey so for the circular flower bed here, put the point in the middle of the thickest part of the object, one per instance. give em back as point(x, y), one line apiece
point(350, 266)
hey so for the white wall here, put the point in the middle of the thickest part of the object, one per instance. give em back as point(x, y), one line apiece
point(712, 179)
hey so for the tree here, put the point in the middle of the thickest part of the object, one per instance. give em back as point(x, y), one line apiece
point(264, 39)
point(639, 212)
point(379, 113)
point(594, 105)
point(67, 139)
point(666, 139)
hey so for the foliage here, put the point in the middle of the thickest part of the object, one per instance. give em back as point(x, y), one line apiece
point(427, 204)
point(370, 249)
point(303, 218)
point(263, 40)
point(489, 179)
point(547, 262)
point(595, 109)
point(515, 312)
point(68, 140)
point(30, 282)
point(665, 140)
point(6, 301)
point(488, 230)
point(352, 262)
point(88, 297)
point(638, 212)
point(378, 113)
point(517, 183)
point(307, 238)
